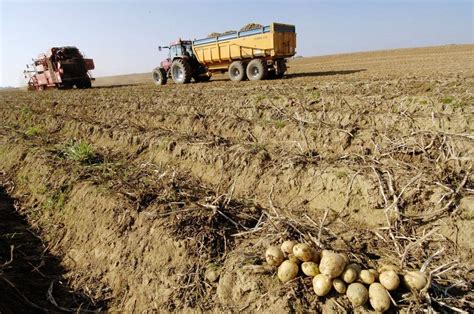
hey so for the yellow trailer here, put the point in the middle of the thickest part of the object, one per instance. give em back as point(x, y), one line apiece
point(256, 53)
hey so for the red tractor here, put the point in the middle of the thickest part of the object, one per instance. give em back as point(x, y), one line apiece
point(181, 65)
point(60, 67)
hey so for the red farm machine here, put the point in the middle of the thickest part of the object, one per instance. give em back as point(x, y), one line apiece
point(60, 67)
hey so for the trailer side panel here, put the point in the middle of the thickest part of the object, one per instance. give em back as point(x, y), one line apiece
point(275, 41)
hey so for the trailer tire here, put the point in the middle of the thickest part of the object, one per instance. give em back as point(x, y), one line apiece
point(257, 70)
point(181, 71)
point(159, 76)
point(237, 71)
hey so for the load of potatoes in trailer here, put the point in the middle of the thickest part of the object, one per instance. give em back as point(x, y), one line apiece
point(255, 52)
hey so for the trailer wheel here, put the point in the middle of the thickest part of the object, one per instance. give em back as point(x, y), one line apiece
point(257, 70)
point(181, 71)
point(237, 71)
point(159, 76)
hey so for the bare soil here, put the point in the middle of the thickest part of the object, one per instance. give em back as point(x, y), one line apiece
point(31, 279)
point(368, 154)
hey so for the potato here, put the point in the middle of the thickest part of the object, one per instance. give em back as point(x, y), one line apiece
point(303, 252)
point(345, 257)
point(325, 251)
point(287, 271)
point(287, 246)
point(390, 280)
point(274, 256)
point(322, 285)
point(378, 297)
point(375, 273)
point(310, 269)
point(339, 285)
point(357, 294)
point(212, 273)
point(294, 259)
point(350, 273)
point(332, 264)
point(366, 277)
point(415, 280)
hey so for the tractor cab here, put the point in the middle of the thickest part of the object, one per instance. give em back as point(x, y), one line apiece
point(181, 49)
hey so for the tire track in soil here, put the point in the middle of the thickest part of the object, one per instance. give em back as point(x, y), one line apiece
point(27, 270)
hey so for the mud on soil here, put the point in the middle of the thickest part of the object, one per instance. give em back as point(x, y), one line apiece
point(184, 179)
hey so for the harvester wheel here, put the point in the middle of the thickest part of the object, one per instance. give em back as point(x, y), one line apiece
point(82, 83)
point(237, 71)
point(87, 83)
point(257, 70)
point(64, 86)
point(181, 71)
point(159, 76)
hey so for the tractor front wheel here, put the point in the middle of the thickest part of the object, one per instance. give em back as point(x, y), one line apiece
point(237, 71)
point(257, 70)
point(181, 71)
point(159, 76)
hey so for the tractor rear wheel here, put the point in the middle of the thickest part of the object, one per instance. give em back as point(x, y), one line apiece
point(257, 70)
point(159, 76)
point(181, 71)
point(237, 71)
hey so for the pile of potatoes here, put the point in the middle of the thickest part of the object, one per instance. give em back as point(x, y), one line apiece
point(331, 270)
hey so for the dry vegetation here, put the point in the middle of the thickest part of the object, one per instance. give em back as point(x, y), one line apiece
point(142, 190)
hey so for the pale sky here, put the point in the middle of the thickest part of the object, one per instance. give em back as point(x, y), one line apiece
point(122, 36)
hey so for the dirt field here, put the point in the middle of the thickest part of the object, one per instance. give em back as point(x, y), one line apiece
point(137, 191)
